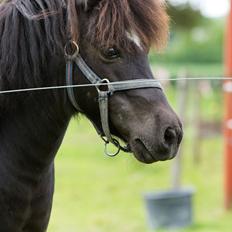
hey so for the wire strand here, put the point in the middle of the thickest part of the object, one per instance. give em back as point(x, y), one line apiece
point(111, 83)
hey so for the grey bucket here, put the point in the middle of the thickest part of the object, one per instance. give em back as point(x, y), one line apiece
point(169, 209)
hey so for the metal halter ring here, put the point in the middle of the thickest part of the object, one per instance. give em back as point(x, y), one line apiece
point(106, 81)
point(116, 143)
point(74, 50)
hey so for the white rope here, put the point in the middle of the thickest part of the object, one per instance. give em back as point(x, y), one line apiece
point(111, 83)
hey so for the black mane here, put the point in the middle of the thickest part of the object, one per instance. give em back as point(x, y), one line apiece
point(31, 32)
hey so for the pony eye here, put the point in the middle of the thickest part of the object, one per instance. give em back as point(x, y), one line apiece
point(111, 53)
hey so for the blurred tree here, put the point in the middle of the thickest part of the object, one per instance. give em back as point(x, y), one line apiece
point(193, 38)
point(184, 16)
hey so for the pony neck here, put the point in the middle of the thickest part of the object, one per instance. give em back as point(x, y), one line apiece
point(31, 135)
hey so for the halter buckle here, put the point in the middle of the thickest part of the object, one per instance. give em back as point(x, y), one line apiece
point(71, 50)
point(105, 83)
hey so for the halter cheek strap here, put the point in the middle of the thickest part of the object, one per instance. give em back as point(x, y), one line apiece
point(69, 82)
point(103, 95)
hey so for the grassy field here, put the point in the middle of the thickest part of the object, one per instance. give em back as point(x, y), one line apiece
point(95, 193)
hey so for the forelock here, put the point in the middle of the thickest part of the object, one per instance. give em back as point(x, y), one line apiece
point(111, 19)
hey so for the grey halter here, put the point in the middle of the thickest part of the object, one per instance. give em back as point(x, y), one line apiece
point(103, 95)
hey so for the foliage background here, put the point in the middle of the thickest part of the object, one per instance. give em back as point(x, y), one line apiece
point(193, 37)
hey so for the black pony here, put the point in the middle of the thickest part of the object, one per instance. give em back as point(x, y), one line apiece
point(114, 37)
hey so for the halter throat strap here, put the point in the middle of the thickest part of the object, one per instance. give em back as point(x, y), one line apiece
point(103, 95)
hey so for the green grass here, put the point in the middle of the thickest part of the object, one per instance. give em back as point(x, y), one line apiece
point(96, 193)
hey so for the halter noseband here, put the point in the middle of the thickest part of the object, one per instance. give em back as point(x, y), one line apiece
point(103, 95)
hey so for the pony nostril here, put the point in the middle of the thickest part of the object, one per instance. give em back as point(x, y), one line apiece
point(170, 136)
